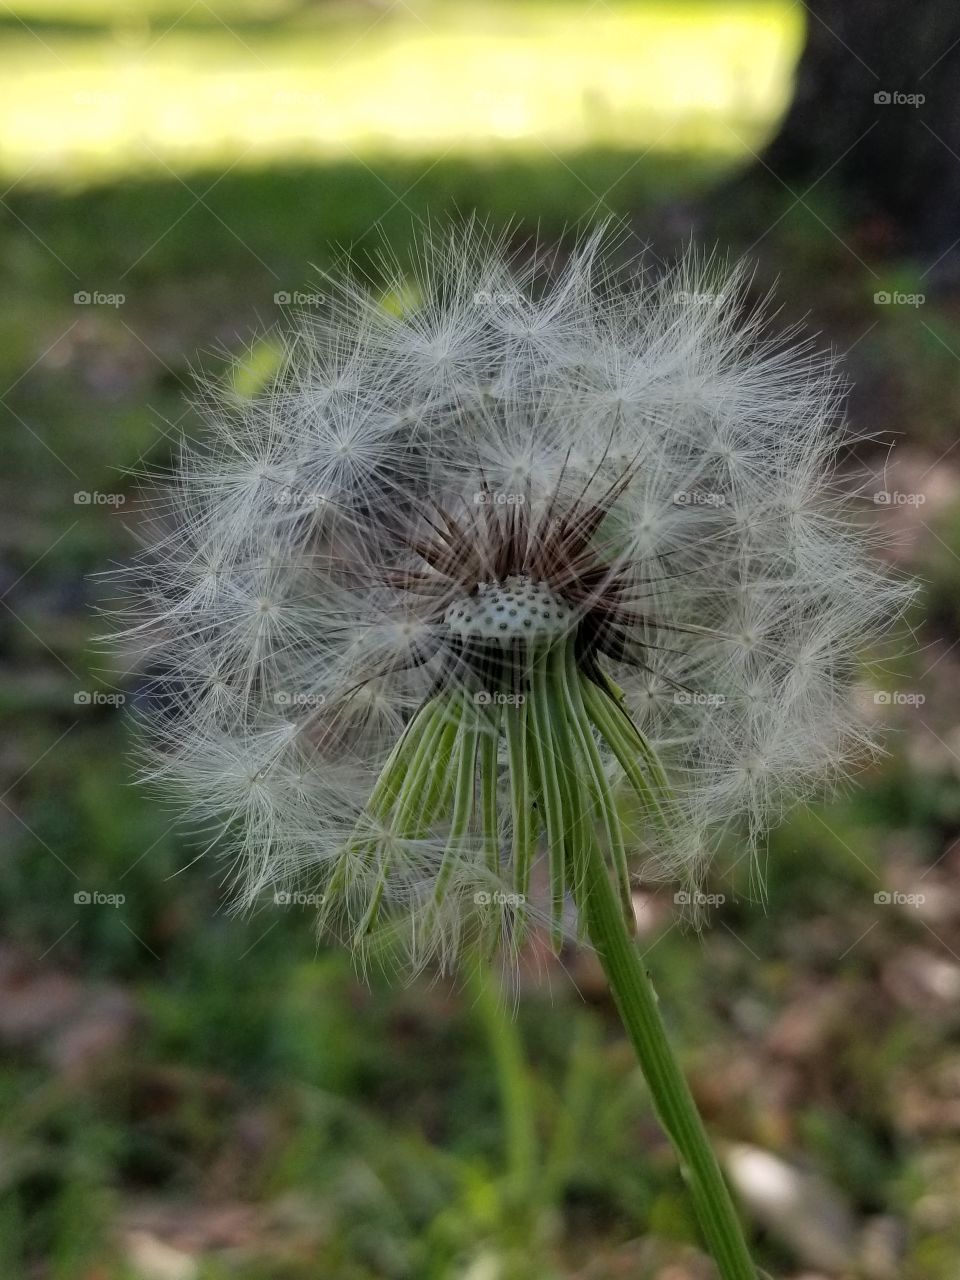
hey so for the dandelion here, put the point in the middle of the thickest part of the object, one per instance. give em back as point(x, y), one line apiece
point(551, 569)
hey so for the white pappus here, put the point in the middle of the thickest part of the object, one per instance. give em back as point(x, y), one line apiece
point(558, 552)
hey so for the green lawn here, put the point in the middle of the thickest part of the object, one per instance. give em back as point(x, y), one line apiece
point(94, 90)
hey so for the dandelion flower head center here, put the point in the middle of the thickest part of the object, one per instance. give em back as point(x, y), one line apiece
point(515, 609)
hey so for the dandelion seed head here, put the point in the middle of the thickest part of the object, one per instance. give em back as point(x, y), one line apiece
point(523, 450)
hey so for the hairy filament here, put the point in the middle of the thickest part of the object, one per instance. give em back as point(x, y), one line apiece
point(489, 766)
point(521, 798)
point(446, 775)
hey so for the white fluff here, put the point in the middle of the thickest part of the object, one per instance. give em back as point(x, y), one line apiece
point(287, 660)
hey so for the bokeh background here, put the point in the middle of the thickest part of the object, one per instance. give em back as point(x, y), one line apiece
point(189, 1096)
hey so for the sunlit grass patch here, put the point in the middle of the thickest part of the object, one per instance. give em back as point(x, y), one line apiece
point(144, 94)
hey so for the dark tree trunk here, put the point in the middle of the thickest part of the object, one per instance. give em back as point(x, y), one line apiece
point(856, 122)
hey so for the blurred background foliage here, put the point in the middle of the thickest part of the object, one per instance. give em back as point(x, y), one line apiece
point(190, 1096)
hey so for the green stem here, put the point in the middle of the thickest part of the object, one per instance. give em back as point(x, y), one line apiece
point(565, 716)
point(671, 1095)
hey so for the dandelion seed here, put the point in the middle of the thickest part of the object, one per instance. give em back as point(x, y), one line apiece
point(579, 539)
